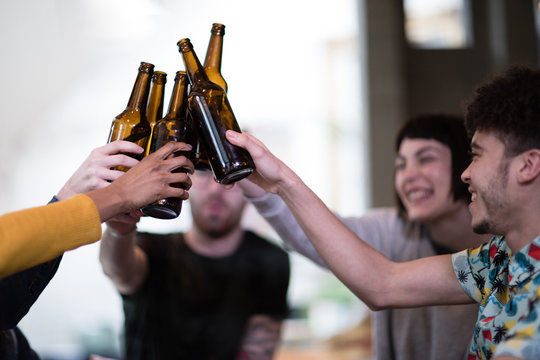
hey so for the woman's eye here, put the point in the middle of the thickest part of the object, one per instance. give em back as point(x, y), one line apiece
point(426, 159)
point(399, 165)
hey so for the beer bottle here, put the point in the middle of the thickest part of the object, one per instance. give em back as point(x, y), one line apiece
point(199, 157)
point(173, 127)
point(212, 112)
point(154, 108)
point(212, 61)
point(131, 124)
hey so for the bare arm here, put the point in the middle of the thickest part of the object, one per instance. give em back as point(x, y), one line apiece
point(377, 281)
point(122, 260)
point(261, 338)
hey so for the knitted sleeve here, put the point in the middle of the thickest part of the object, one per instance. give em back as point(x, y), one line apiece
point(33, 236)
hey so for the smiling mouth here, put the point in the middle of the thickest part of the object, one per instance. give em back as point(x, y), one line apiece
point(418, 195)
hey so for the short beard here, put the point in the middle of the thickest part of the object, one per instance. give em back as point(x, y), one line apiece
point(495, 203)
point(485, 227)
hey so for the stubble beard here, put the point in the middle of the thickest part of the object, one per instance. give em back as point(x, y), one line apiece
point(494, 202)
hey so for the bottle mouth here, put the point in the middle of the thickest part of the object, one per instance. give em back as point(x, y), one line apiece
point(184, 45)
point(218, 29)
point(146, 67)
point(159, 77)
point(180, 74)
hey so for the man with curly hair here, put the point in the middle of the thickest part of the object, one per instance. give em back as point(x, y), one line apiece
point(502, 275)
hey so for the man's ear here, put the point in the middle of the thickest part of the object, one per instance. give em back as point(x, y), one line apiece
point(529, 168)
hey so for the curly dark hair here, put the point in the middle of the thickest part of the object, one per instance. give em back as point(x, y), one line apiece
point(509, 107)
point(449, 130)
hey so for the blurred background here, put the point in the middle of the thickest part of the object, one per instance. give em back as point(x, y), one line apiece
point(324, 85)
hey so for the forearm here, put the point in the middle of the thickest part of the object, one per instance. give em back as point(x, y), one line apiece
point(122, 261)
point(261, 339)
point(376, 280)
point(355, 263)
point(34, 236)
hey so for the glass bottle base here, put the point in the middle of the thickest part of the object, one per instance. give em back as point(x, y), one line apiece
point(159, 212)
point(236, 176)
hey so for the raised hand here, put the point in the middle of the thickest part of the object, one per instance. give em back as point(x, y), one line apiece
point(270, 171)
point(148, 181)
point(97, 171)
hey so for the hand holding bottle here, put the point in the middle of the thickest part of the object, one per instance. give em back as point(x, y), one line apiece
point(270, 173)
point(149, 180)
point(97, 171)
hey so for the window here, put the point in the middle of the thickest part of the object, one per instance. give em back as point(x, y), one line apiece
point(437, 24)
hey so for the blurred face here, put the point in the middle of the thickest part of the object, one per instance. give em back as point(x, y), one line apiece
point(216, 209)
point(423, 179)
point(487, 177)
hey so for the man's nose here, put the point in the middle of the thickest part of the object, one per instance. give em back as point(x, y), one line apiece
point(466, 175)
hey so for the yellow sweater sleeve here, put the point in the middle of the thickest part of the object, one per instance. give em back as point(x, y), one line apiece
point(36, 235)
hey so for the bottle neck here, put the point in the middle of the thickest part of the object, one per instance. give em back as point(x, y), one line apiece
point(214, 52)
point(139, 95)
point(154, 109)
point(193, 66)
point(178, 102)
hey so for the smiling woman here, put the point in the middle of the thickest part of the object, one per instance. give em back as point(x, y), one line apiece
point(96, 46)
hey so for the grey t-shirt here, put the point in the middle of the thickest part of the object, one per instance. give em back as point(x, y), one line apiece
point(434, 332)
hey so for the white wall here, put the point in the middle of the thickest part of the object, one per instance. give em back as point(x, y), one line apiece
point(293, 70)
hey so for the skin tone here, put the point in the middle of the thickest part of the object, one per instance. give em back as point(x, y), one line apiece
point(144, 183)
point(502, 190)
point(410, 283)
point(423, 182)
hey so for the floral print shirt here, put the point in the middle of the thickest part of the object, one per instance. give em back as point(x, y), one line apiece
point(507, 288)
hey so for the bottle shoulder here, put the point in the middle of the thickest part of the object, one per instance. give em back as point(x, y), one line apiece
point(131, 116)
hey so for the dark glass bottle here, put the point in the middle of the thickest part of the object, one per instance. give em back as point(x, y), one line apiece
point(131, 124)
point(210, 109)
point(199, 157)
point(212, 61)
point(174, 126)
point(154, 108)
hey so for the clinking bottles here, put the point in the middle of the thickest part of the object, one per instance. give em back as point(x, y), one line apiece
point(212, 67)
point(173, 127)
point(154, 108)
point(212, 61)
point(131, 124)
point(210, 109)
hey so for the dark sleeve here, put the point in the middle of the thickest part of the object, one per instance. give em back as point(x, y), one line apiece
point(20, 291)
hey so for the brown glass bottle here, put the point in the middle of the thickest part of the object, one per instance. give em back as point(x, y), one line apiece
point(212, 61)
point(210, 109)
point(131, 124)
point(199, 157)
point(174, 126)
point(154, 108)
